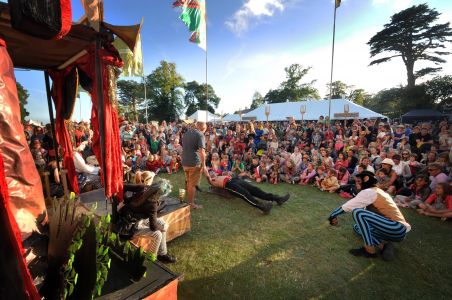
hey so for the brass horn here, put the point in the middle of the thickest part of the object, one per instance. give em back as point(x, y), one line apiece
point(129, 34)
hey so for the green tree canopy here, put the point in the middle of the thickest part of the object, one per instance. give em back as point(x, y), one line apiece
point(440, 90)
point(165, 89)
point(358, 96)
point(130, 97)
point(338, 90)
point(414, 36)
point(257, 100)
point(195, 98)
point(23, 95)
point(292, 89)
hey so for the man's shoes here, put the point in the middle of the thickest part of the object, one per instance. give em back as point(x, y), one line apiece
point(388, 252)
point(167, 259)
point(362, 252)
point(266, 208)
point(198, 188)
point(283, 199)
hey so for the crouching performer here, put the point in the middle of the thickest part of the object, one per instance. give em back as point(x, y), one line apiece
point(247, 192)
point(377, 218)
point(138, 217)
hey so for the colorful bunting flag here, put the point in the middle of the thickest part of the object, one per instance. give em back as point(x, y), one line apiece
point(194, 16)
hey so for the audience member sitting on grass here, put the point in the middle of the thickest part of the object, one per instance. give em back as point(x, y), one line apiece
point(330, 183)
point(377, 218)
point(247, 191)
point(439, 203)
point(417, 193)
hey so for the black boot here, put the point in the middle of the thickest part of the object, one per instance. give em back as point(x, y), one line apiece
point(281, 200)
point(266, 207)
point(388, 252)
point(166, 258)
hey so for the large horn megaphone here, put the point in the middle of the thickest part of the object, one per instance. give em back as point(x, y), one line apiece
point(129, 34)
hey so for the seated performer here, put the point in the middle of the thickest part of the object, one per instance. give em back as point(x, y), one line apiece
point(138, 216)
point(246, 191)
point(378, 219)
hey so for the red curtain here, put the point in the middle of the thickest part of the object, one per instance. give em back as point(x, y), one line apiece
point(113, 163)
point(13, 241)
point(22, 177)
point(62, 134)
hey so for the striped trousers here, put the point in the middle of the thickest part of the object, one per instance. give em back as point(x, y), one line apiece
point(374, 228)
point(155, 240)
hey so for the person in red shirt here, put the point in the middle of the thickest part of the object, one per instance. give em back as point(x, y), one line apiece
point(439, 203)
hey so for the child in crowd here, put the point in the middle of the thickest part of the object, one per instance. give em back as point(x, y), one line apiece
point(274, 172)
point(238, 167)
point(330, 182)
point(343, 176)
point(174, 163)
point(308, 175)
point(439, 203)
point(320, 176)
point(416, 194)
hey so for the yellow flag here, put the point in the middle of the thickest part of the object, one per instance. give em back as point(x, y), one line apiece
point(338, 3)
point(133, 61)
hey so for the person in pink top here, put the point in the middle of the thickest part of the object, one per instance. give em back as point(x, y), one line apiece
point(439, 203)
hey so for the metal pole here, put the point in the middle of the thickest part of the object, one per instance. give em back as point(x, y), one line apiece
point(144, 83)
point(52, 119)
point(332, 64)
point(207, 89)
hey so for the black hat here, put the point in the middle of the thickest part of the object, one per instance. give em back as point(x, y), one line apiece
point(369, 183)
point(366, 173)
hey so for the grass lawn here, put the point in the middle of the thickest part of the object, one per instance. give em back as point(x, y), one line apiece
point(236, 252)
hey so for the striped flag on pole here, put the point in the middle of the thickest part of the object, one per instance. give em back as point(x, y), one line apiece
point(194, 16)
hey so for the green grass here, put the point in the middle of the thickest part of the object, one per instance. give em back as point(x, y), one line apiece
point(235, 252)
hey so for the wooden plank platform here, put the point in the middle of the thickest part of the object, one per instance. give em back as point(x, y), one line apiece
point(159, 284)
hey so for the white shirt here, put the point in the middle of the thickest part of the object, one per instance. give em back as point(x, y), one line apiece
point(365, 198)
point(82, 167)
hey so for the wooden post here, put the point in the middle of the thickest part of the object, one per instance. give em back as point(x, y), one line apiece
point(64, 181)
point(52, 119)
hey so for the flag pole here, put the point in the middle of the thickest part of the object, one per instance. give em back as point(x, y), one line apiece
point(144, 78)
point(332, 61)
point(207, 89)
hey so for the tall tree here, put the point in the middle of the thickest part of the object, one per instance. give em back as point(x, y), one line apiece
point(195, 98)
point(130, 97)
point(387, 102)
point(292, 89)
point(165, 87)
point(414, 36)
point(358, 96)
point(23, 95)
point(338, 90)
point(440, 90)
point(257, 100)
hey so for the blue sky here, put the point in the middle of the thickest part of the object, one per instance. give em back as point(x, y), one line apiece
point(251, 41)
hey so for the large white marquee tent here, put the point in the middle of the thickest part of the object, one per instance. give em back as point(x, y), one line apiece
point(314, 109)
point(204, 116)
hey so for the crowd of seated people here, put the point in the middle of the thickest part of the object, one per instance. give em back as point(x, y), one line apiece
point(411, 162)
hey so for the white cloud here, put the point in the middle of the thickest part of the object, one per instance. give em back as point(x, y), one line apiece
point(262, 71)
point(252, 11)
point(396, 4)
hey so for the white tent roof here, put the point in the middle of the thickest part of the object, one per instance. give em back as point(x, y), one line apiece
point(314, 109)
point(232, 118)
point(201, 115)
